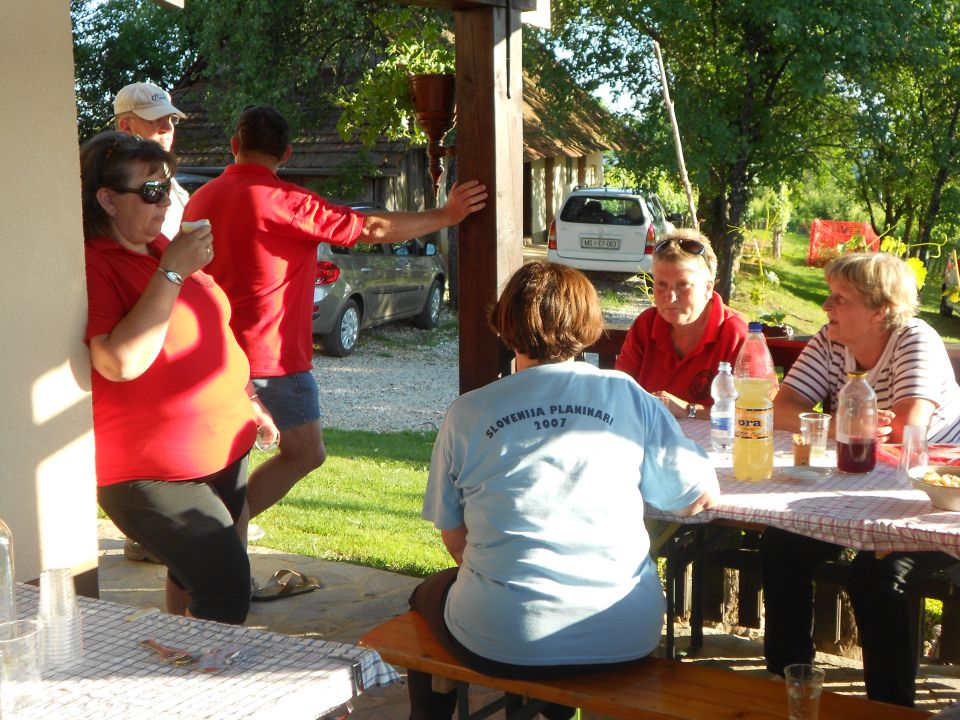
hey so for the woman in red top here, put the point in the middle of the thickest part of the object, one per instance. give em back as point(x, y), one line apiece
point(673, 349)
point(174, 415)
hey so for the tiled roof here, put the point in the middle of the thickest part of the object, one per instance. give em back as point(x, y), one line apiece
point(201, 142)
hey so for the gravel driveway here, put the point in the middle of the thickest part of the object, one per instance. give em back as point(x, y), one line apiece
point(404, 378)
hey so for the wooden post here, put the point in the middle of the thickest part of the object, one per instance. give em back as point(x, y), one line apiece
point(490, 149)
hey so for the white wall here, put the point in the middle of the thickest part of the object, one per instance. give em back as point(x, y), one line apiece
point(47, 484)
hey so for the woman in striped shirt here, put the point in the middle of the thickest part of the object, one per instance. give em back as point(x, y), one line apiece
point(870, 309)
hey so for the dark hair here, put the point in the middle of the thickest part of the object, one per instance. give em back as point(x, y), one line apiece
point(262, 129)
point(106, 160)
point(548, 312)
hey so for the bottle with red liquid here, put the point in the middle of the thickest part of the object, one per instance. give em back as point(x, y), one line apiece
point(856, 425)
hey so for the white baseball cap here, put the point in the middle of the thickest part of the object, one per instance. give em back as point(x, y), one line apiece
point(146, 100)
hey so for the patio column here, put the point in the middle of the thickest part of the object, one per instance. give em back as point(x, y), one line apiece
point(490, 149)
point(47, 486)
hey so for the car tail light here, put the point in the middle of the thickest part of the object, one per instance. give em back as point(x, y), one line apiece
point(327, 273)
point(651, 240)
point(552, 236)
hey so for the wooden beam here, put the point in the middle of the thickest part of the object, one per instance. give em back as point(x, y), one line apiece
point(472, 4)
point(490, 149)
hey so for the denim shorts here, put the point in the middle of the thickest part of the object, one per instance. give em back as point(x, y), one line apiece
point(292, 400)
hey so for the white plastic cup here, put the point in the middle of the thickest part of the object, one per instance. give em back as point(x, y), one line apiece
point(815, 429)
point(913, 453)
point(60, 619)
point(19, 665)
point(804, 687)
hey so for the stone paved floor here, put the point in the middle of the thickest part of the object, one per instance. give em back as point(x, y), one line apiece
point(356, 599)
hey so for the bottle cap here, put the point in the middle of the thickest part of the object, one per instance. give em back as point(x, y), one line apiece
point(856, 374)
point(724, 365)
point(755, 326)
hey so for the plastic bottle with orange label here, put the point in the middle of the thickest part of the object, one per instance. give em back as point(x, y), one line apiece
point(756, 380)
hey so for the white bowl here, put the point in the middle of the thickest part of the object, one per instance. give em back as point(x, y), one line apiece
point(945, 498)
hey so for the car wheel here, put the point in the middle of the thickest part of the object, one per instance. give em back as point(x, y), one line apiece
point(430, 314)
point(342, 340)
point(944, 306)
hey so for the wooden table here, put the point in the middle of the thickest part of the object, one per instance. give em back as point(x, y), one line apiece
point(275, 676)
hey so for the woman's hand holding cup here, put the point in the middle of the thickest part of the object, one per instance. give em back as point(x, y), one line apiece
point(191, 249)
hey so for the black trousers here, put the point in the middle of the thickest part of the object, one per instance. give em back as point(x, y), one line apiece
point(429, 599)
point(189, 526)
point(878, 589)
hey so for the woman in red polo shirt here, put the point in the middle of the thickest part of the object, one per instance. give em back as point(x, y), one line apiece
point(173, 415)
point(673, 349)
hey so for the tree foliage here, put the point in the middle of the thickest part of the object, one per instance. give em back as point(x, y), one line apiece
point(118, 42)
point(753, 82)
point(293, 54)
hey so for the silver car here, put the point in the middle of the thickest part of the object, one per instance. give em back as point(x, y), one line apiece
point(607, 229)
point(371, 284)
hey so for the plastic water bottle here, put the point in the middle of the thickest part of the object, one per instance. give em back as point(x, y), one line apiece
point(8, 603)
point(756, 382)
point(856, 425)
point(724, 394)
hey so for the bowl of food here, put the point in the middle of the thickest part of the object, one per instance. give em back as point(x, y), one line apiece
point(941, 483)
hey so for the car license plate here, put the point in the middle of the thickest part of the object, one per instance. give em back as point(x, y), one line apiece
point(600, 243)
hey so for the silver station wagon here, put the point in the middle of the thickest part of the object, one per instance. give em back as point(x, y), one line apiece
point(367, 285)
point(607, 229)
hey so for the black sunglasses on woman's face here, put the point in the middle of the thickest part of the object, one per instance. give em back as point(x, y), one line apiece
point(694, 247)
point(151, 192)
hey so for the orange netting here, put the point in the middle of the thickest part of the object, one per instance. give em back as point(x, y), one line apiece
point(825, 235)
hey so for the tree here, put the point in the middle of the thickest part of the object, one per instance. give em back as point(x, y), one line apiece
point(904, 128)
point(752, 81)
point(118, 42)
point(293, 54)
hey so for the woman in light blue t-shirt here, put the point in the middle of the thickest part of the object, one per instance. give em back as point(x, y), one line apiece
point(537, 484)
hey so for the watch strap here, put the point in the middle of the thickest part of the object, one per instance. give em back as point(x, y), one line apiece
point(691, 410)
point(174, 277)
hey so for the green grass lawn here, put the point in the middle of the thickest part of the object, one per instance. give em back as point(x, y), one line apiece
point(802, 289)
point(362, 506)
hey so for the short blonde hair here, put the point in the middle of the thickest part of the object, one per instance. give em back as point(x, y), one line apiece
point(883, 280)
point(672, 252)
point(548, 312)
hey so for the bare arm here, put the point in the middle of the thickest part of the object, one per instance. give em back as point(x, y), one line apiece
point(455, 541)
point(135, 342)
point(787, 406)
point(391, 227)
point(911, 411)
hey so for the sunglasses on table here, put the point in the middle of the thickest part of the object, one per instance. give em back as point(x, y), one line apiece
point(151, 192)
point(694, 247)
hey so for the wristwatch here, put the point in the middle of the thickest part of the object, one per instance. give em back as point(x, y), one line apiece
point(170, 275)
point(691, 410)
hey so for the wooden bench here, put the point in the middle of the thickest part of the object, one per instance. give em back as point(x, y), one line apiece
point(649, 689)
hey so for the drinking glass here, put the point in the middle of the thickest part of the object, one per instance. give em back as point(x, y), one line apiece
point(19, 664)
point(815, 429)
point(913, 453)
point(804, 685)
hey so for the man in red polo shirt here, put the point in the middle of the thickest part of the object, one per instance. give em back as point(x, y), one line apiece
point(266, 233)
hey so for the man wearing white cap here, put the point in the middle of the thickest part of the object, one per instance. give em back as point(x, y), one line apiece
point(146, 110)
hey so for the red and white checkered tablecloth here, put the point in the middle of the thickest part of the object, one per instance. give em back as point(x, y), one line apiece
point(870, 511)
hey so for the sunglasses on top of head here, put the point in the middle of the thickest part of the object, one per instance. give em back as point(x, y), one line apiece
point(151, 192)
point(694, 247)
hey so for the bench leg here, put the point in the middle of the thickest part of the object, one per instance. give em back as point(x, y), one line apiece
point(515, 707)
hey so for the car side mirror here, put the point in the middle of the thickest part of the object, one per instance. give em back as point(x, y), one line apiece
point(430, 249)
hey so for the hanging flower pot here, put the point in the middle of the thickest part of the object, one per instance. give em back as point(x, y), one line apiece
point(434, 98)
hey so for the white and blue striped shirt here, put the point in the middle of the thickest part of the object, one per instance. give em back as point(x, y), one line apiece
point(914, 364)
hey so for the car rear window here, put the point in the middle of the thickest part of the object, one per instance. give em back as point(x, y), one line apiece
point(602, 211)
